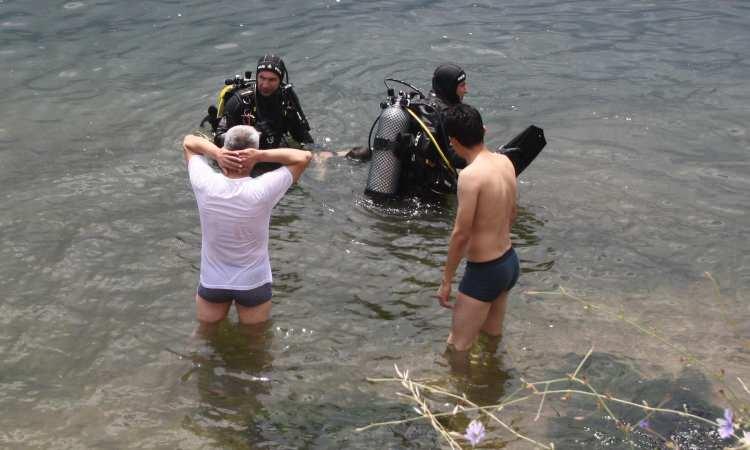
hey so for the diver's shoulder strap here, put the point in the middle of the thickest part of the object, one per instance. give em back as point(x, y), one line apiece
point(295, 118)
point(291, 101)
point(437, 102)
point(427, 112)
point(434, 141)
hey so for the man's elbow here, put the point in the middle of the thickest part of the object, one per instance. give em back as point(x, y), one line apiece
point(193, 143)
point(300, 165)
point(307, 158)
point(187, 146)
point(460, 236)
point(187, 142)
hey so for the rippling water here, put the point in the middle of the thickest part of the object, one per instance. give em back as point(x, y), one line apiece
point(641, 189)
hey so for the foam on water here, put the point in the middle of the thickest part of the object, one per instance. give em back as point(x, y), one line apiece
point(74, 5)
point(226, 46)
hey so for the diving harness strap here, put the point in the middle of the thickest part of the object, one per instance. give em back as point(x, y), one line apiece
point(433, 140)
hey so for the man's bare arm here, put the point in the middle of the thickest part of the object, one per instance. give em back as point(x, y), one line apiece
point(196, 145)
point(295, 160)
point(468, 193)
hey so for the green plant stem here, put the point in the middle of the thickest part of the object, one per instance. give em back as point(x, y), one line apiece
point(637, 405)
point(546, 392)
point(487, 410)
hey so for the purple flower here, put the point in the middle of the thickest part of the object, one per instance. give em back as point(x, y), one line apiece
point(644, 424)
point(474, 432)
point(726, 427)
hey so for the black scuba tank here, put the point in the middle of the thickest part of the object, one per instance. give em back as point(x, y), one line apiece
point(385, 166)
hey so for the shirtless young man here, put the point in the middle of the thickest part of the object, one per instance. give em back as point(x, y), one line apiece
point(486, 211)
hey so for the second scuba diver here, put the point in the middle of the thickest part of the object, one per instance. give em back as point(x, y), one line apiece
point(410, 150)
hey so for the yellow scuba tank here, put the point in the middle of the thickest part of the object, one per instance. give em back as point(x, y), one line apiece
point(223, 94)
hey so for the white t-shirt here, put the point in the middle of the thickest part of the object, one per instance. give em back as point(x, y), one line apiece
point(235, 215)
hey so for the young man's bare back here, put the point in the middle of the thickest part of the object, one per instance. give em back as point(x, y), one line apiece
point(495, 209)
point(486, 211)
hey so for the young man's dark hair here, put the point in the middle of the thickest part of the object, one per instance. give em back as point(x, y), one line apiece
point(464, 123)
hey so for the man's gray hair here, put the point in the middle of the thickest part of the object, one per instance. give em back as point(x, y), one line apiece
point(240, 137)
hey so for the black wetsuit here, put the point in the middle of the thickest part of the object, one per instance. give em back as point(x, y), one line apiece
point(441, 105)
point(275, 117)
point(423, 166)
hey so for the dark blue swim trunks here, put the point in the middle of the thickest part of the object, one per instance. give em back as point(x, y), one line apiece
point(485, 281)
point(249, 298)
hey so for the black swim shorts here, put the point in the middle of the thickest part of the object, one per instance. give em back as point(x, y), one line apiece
point(249, 298)
point(485, 281)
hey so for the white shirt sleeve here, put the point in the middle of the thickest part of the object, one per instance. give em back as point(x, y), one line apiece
point(275, 184)
point(200, 172)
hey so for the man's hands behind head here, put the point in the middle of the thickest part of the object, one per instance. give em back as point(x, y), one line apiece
point(237, 161)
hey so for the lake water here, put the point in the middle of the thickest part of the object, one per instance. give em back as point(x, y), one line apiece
point(642, 188)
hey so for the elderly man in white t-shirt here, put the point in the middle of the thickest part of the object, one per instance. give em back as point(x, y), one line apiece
point(235, 213)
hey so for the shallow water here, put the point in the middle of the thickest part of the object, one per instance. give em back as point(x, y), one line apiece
point(641, 189)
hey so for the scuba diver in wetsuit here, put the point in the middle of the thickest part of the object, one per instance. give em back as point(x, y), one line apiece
point(411, 153)
point(267, 103)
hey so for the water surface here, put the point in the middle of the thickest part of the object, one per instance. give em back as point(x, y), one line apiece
point(641, 189)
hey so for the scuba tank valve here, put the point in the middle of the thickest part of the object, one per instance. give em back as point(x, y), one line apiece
point(240, 81)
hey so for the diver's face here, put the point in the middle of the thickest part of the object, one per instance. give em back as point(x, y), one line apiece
point(268, 82)
point(462, 89)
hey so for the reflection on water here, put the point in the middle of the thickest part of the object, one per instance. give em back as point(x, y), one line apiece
point(480, 373)
point(525, 228)
point(232, 369)
point(525, 235)
point(434, 215)
point(408, 206)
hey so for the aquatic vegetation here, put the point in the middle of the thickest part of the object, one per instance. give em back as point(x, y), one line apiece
point(431, 398)
point(726, 425)
point(474, 432)
point(745, 441)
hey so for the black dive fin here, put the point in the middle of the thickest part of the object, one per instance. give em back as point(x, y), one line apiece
point(522, 149)
point(212, 118)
